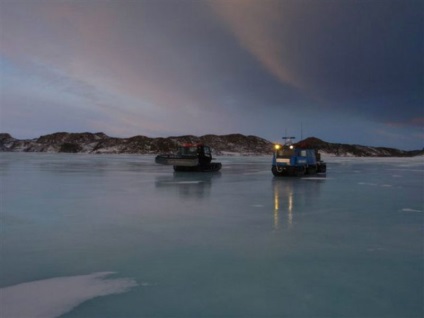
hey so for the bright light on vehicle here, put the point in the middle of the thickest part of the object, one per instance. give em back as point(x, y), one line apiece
point(291, 146)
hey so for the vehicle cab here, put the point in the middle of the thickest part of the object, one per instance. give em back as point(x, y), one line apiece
point(202, 152)
point(291, 161)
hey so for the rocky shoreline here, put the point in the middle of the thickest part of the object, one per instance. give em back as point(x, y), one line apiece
point(233, 144)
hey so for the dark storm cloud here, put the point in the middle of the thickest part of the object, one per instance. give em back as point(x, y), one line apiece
point(359, 56)
point(370, 56)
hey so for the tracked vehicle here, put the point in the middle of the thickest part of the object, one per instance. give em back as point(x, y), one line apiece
point(190, 157)
point(289, 160)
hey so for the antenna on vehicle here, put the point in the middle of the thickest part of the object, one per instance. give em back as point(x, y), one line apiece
point(301, 131)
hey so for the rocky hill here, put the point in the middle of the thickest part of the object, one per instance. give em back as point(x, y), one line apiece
point(101, 143)
point(233, 144)
point(355, 150)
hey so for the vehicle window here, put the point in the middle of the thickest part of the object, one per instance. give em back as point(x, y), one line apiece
point(207, 151)
point(188, 151)
point(285, 153)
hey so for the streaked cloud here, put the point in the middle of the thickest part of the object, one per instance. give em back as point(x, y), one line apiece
point(218, 66)
point(254, 24)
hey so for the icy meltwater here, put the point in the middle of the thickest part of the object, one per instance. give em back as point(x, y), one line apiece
point(118, 236)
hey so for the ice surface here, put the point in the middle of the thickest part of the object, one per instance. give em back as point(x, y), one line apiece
point(235, 243)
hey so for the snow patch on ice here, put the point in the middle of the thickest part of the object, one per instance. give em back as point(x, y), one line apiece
point(367, 183)
point(326, 155)
point(375, 249)
point(384, 185)
point(185, 182)
point(56, 296)
point(411, 210)
point(230, 153)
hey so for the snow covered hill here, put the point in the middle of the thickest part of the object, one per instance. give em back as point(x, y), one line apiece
point(100, 143)
point(347, 150)
point(233, 144)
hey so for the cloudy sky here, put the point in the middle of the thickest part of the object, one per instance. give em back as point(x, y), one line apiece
point(346, 71)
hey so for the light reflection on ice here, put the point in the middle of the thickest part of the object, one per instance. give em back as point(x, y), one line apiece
point(187, 185)
point(288, 192)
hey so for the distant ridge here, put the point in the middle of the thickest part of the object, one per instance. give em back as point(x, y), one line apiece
point(232, 144)
point(338, 149)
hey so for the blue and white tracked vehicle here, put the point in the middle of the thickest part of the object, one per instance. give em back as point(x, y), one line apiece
point(289, 160)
